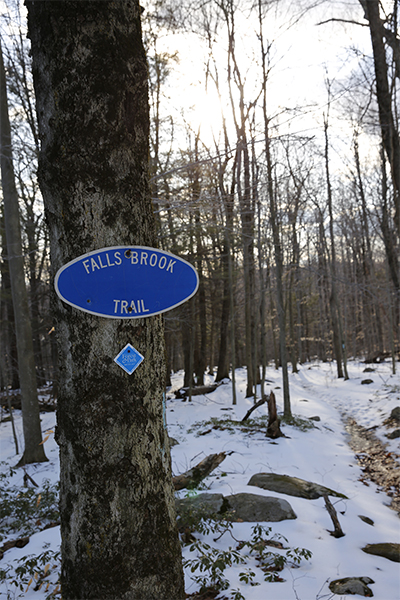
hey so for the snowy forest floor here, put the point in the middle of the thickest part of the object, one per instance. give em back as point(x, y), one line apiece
point(322, 451)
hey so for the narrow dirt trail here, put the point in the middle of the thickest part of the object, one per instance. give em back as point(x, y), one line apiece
point(377, 464)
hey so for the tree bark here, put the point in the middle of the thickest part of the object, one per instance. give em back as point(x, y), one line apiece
point(287, 410)
point(390, 135)
point(273, 427)
point(118, 522)
point(338, 338)
point(9, 341)
point(33, 451)
point(223, 362)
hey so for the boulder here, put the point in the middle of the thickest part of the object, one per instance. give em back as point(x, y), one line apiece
point(395, 414)
point(393, 434)
point(367, 381)
point(352, 585)
point(391, 551)
point(192, 509)
point(292, 486)
point(240, 507)
point(207, 503)
point(255, 508)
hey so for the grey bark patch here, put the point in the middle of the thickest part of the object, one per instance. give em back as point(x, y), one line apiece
point(388, 550)
point(352, 585)
point(255, 508)
point(292, 486)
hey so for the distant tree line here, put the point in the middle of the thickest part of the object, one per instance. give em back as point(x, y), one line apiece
point(297, 256)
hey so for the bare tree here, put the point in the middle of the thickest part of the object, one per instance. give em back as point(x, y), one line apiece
point(33, 451)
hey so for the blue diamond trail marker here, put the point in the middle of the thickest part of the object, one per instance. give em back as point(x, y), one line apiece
point(129, 359)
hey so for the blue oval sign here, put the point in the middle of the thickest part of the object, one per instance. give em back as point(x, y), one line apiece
point(126, 282)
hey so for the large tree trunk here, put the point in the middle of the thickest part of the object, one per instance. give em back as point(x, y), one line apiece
point(390, 135)
point(33, 451)
point(118, 524)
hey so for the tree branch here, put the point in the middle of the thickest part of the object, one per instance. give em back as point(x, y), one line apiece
point(349, 21)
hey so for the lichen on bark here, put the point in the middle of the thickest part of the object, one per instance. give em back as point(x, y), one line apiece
point(119, 535)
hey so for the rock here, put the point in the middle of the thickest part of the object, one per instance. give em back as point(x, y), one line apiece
point(369, 370)
point(389, 550)
point(366, 520)
point(255, 508)
point(209, 503)
point(395, 414)
point(367, 381)
point(242, 507)
point(292, 486)
point(352, 585)
point(393, 434)
point(203, 506)
point(316, 418)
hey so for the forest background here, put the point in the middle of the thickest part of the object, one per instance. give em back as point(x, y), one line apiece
point(275, 171)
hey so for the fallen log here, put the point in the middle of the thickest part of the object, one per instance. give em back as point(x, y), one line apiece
point(183, 393)
point(192, 477)
point(19, 543)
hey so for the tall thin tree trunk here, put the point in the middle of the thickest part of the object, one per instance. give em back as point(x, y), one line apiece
point(275, 231)
point(338, 338)
point(33, 451)
point(223, 362)
point(7, 315)
point(263, 292)
point(232, 326)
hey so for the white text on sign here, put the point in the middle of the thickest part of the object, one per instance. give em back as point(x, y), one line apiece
point(136, 257)
point(123, 306)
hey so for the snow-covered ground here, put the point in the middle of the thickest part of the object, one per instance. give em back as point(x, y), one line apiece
point(320, 455)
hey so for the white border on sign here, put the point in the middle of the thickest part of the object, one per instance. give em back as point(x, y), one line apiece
point(123, 248)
